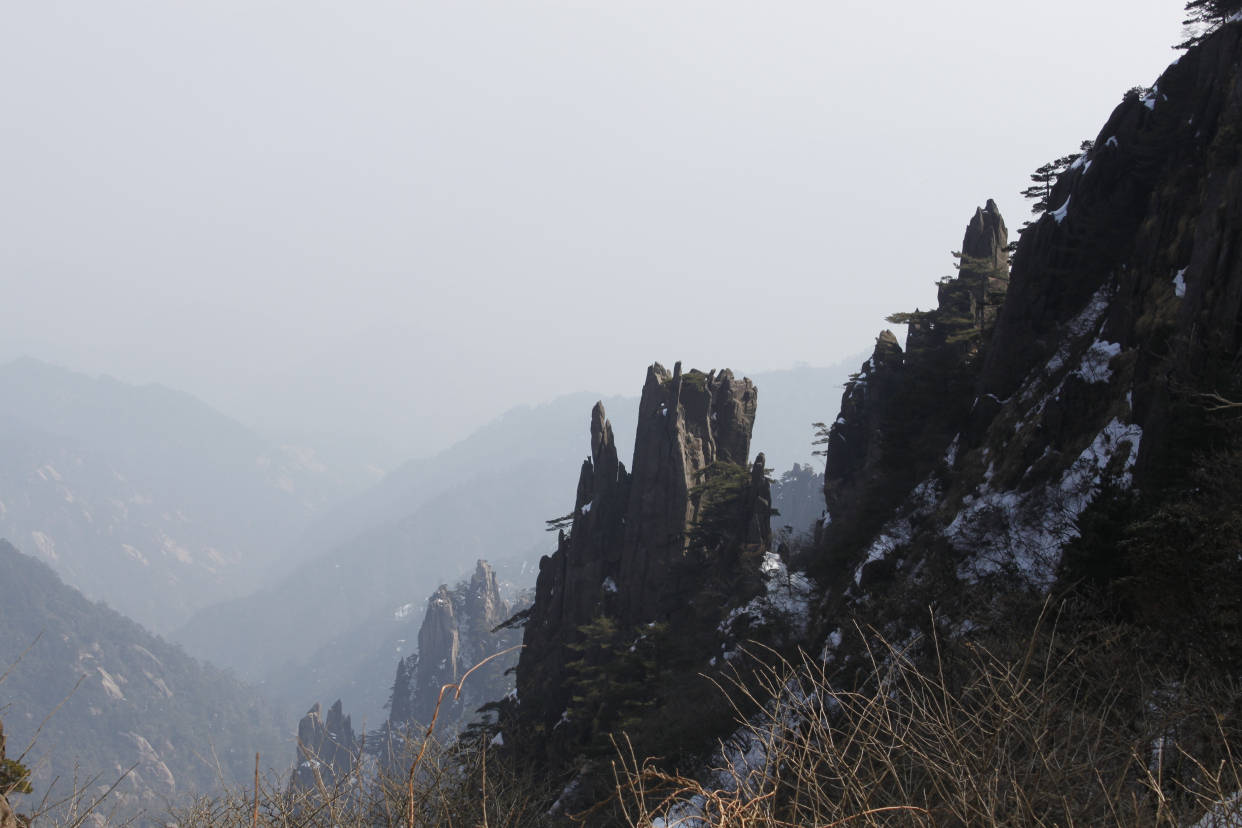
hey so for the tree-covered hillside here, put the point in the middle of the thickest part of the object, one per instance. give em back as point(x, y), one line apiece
point(101, 698)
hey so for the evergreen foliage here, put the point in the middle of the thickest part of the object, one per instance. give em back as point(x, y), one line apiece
point(822, 433)
point(1204, 17)
point(615, 679)
point(14, 778)
point(721, 496)
point(1045, 178)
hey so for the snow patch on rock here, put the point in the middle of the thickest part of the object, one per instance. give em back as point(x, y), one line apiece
point(1023, 533)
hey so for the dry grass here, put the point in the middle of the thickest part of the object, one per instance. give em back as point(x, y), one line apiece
point(1055, 732)
point(1038, 730)
point(455, 786)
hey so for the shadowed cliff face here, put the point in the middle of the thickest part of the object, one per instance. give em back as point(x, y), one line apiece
point(901, 409)
point(966, 468)
point(640, 543)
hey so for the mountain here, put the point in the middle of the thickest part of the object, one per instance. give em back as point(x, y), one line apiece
point(96, 694)
point(460, 632)
point(647, 565)
point(335, 622)
point(1059, 434)
point(143, 496)
point(1082, 438)
point(793, 399)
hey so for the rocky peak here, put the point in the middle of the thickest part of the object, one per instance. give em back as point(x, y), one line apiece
point(987, 239)
point(483, 606)
point(641, 545)
point(439, 651)
point(459, 631)
point(327, 749)
point(900, 411)
point(690, 427)
point(1047, 458)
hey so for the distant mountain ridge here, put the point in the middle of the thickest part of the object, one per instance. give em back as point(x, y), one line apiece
point(144, 496)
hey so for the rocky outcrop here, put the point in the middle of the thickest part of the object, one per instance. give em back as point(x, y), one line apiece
point(458, 632)
point(1044, 450)
point(439, 654)
point(901, 410)
point(327, 750)
point(151, 773)
point(643, 548)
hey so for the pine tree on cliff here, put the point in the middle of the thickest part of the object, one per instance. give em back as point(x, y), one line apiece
point(1046, 176)
point(1205, 16)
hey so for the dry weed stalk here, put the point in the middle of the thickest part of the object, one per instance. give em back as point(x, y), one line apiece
point(431, 726)
point(975, 738)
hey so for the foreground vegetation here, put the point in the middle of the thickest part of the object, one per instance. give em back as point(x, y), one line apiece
point(1075, 723)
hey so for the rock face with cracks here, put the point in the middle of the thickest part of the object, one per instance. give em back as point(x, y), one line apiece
point(458, 632)
point(639, 543)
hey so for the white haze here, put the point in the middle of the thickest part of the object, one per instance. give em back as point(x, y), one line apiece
point(393, 220)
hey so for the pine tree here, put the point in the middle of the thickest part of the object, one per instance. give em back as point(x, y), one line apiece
point(1046, 176)
point(1205, 17)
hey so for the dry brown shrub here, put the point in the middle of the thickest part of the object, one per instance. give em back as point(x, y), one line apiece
point(1049, 730)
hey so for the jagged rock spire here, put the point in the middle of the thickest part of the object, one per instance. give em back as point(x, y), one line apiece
point(987, 238)
point(900, 411)
point(629, 555)
point(326, 749)
point(457, 632)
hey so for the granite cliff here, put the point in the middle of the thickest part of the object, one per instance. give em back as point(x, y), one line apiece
point(670, 546)
point(1023, 458)
point(327, 750)
point(459, 631)
point(1060, 428)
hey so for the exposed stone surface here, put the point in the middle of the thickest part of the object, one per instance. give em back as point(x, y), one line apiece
point(458, 632)
point(439, 654)
point(327, 749)
point(151, 773)
point(642, 545)
point(140, 701)
point(900, 411)
point(967, 478)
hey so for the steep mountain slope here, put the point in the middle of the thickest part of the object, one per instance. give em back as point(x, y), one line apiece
point(130, 698)
point(144, 496)
point(1064, 427)
point(1122, 313)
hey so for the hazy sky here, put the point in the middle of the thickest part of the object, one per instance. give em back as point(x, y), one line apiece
point(403, 217)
